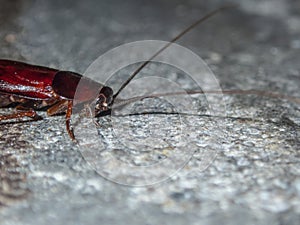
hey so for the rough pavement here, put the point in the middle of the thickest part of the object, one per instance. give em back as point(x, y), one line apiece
point(244, 165)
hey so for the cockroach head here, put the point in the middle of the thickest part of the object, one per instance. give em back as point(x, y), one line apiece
point(104, 100)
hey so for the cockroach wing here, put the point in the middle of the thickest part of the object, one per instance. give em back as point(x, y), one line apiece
point(66, 84)
point(25, 80)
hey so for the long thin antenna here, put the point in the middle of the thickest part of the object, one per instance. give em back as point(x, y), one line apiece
point(207, 16)
point(267, 94)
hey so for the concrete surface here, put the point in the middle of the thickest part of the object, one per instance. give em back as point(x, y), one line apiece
point(254, 178)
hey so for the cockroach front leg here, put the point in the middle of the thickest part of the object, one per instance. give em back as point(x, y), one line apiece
point(89, 113)
point(60, 107)
point(68, 118)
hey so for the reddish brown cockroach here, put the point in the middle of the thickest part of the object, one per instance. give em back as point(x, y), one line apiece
point(35, 87)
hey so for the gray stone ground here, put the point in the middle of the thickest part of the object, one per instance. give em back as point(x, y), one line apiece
point(254, 178)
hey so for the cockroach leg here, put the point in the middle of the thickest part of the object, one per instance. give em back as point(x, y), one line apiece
point(25, 109)
point(29, 113)
point(5, 100)
point(68, 118)
point(89, 114)
point(59, 107)
point(88, 111)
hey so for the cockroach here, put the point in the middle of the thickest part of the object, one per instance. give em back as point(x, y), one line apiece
point(35, 87)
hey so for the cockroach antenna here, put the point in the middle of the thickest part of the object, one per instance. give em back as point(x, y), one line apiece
point(181, 34)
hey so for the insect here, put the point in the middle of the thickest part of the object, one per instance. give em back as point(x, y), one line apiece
point(34, 87)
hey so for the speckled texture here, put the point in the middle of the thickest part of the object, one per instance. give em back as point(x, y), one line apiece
point(255, 176)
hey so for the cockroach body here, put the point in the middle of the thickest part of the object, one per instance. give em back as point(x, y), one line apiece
point(36, 87)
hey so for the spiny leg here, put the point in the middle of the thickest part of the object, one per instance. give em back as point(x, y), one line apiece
point(60, 107)
point(89, 113)
point(68, 117)
point(28, 113)
point(5, 100)
point(24, 109)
